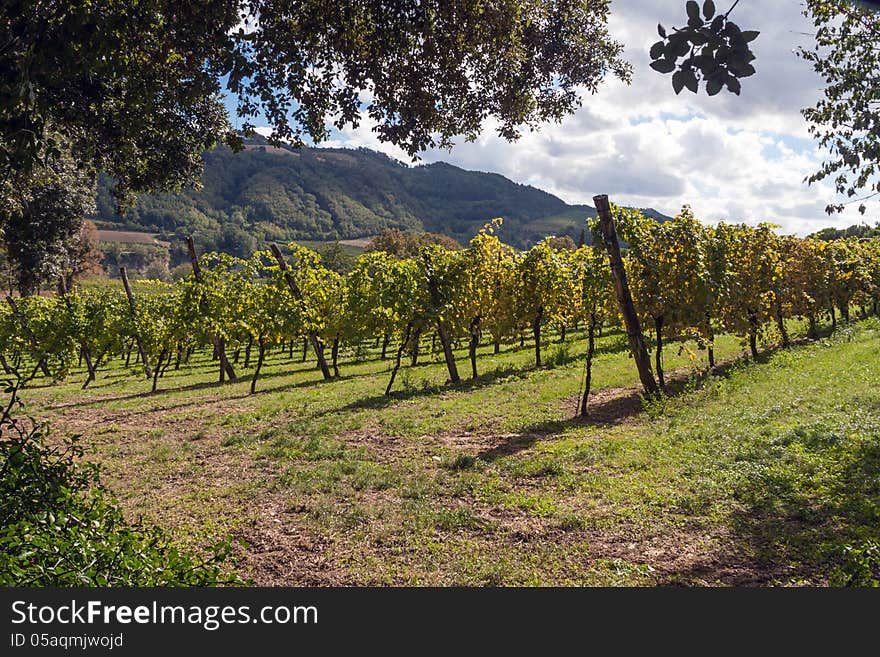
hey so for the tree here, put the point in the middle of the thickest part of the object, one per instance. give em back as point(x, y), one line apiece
point(42, 222)
point(130, 88)
point(846, 121)
point(482, 298)
point(82, 256)
point(598, 305)
point(408, 245)
point(543, 290)
point(133, 87)
point(668, 272)
point(747, 302)
point(432, 69)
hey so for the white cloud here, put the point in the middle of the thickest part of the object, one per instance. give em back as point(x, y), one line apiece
point(736, 158)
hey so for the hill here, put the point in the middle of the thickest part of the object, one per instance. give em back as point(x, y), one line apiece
point(264, 193)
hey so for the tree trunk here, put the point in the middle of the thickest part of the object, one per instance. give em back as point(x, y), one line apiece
point(753, 334)
point(780, 324)
point(236, 355)
point(588, 379)
point(84, 352)
point(334, 355)
point(158, 367)
point(179, 358)
point(496, 347)
point(415, 348)
point(305, 349)
point(710, 337)
point(474, 342)
point(385, 339)
point(813, 332)
point(624, 297)
point(261, 354)
point(536, 329)
point(221, 350)
point(833, 317)
point(167, 364)
point(562, 334)
point(447, 353)
point(247, 352)
point(844, 312)
point(400, 351)
point(658, 355)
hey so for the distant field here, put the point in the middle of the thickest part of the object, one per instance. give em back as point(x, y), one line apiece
point(759, 474)
point(360, 242)
point(130, 237)
point(352, 247)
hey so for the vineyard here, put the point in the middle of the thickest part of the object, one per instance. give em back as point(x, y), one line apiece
point(312, 418)
point(689, 282)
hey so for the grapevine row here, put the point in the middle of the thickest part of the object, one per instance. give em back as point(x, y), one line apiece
point(687, 280)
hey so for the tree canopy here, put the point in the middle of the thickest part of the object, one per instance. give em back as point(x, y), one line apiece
point(846, 120)
point(132, 88)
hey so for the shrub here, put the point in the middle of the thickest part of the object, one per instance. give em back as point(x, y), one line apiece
point(59, 527)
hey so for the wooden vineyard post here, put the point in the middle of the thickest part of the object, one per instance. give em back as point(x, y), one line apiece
point(624, 297)
point(218, 342)
point(137, 335)
point(297, 294)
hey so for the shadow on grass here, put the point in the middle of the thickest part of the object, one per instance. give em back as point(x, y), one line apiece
point(801, 530)
point(611, 406)
point(383, 401)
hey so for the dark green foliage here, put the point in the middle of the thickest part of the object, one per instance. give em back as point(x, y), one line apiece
point(58, 527)
point(126, 87)
point(861, 566)
point(41, 220)
point(433, 69)
point(845, 120)
point(856, 230)
point(710, 49)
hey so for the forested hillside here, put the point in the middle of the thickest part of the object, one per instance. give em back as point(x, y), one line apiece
point(267, 194)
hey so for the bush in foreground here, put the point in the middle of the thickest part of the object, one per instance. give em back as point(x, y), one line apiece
point(59, 527)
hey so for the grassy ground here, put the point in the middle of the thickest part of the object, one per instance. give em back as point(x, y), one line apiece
point(761, 473)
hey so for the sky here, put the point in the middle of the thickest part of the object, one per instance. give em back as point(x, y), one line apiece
point(732, 158)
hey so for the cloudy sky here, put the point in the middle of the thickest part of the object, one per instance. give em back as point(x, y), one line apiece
point(732, 158)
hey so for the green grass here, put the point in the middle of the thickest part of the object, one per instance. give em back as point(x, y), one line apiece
point(765, 474)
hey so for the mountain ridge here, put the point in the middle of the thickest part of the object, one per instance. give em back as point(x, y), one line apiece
point(266, 193)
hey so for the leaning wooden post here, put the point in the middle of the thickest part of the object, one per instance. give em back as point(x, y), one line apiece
point(624, 297)
point(218, 342)
point(297, 294)
point(137, 335)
